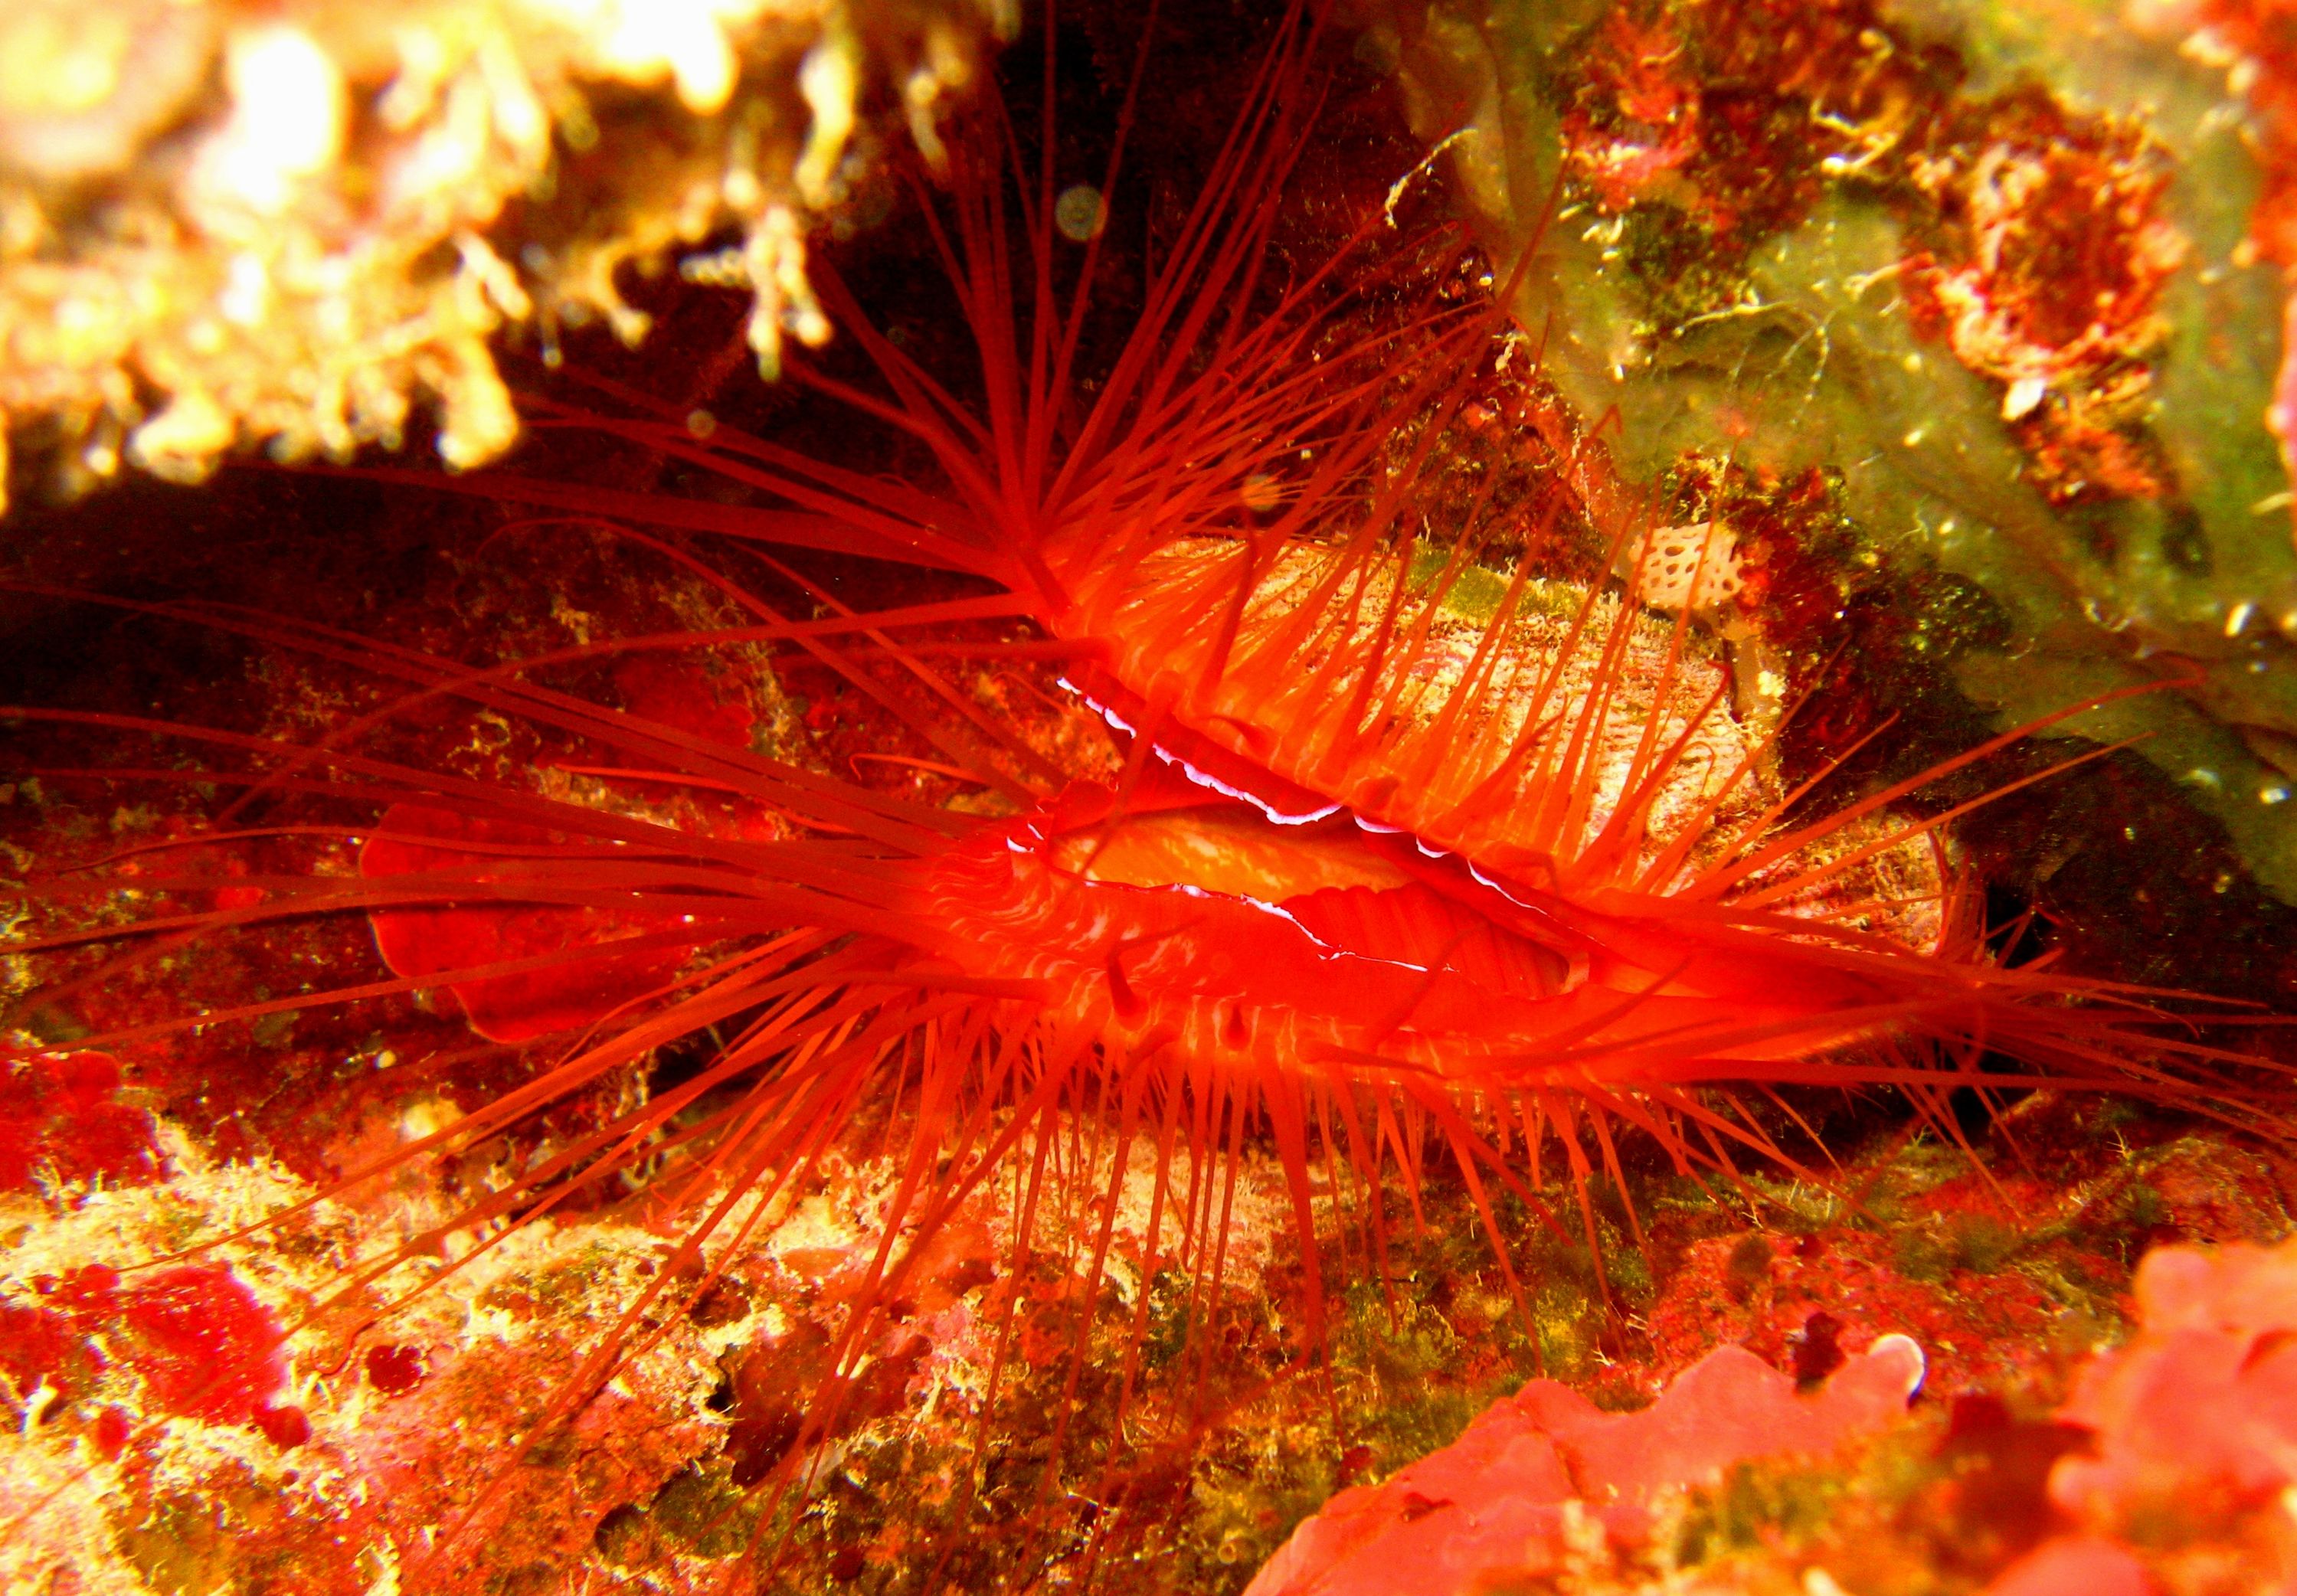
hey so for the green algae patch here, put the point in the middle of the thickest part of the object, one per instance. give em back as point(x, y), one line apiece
point(1993, 273)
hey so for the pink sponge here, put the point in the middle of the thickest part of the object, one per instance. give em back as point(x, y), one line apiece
point(1538, 1475)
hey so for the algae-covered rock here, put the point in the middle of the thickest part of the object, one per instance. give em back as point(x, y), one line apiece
point(1989, 266)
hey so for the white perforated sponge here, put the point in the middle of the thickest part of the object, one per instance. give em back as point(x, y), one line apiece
point(1693, 567)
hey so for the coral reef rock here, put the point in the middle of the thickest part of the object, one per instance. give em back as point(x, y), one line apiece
point(2012, 277)
point(1545, 1481)
point(225, 224)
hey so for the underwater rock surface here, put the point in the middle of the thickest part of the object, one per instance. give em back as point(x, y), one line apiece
point(226, 226)
point(1544, 1479)
point(2004, 279)
point(2165, 1471)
